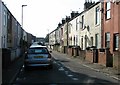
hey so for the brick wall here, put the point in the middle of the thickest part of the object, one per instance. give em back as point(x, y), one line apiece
point(70, 51)
point(105, 58)
point(101, 58)
point(89, 56)
point(82, 54)
point(116, 60)
point(116, 57)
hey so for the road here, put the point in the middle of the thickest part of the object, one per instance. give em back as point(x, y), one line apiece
point(65, 71)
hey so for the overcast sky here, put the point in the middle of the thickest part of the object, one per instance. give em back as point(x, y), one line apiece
point(42, 15)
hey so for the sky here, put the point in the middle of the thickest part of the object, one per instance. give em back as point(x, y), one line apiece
point(41, 17)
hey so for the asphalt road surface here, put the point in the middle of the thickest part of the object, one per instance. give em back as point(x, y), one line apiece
point(64, 71)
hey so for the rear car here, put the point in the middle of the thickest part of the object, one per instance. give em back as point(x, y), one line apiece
point(37, 56)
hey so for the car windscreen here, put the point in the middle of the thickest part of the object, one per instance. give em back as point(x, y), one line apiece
point(40, 50)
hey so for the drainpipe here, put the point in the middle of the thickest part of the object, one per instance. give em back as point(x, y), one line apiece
point(102, 25)
point(67, 38)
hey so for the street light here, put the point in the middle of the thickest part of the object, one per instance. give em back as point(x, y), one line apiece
point(22, 15)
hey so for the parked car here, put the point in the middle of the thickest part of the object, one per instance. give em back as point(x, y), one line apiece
point(36, 56)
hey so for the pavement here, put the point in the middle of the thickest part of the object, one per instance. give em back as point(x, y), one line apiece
point(9, 74)
point(110, 71)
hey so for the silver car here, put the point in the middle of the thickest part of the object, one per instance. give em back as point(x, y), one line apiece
point(37, 55)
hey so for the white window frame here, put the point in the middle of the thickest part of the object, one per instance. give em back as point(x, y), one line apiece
point(97, 15)
point(107, 40)
point(108, 9)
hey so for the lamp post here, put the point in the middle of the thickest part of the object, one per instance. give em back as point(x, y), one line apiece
point(22, 15)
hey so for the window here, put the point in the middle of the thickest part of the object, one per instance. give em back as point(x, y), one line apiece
point(116, 41)
point(96, 40)
point(86, 40)
point(97, 16)
point(91, 41)
point(76, 40)
point(77, 24)
point(37, 50)
point(83, 21)
point(108, 10)
point(107, 40)
point(82, 43)
point(70, 27)
point(5, 18)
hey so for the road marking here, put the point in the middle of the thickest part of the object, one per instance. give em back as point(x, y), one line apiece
point(58, 64)
point(89, 81)
point(61, 69)
point(23, 66)
point(66, 72)
point(54, 62)
point(17, 79)
point(75, 79)
point(52, 84)
point(70, 75)
point(21, 70)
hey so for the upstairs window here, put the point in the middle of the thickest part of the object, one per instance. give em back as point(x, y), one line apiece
point(77, 24)
point(97, 16)
point(83, 22)
point(108, 8)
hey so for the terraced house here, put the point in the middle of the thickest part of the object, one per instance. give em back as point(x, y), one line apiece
point(90, 31)
point(13, 38)
point(95, 31)
point(111, 29)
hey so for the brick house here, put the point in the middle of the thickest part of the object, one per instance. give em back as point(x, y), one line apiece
point(111, 29)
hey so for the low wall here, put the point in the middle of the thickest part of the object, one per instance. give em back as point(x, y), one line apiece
point(82, 54)
point(6, 58)
point(89, 56)
point(116, 60)
point(70, 51)
point(105, 58)
point(102, 58)
point(13, 55)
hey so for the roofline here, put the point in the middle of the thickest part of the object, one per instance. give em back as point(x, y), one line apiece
point(76, 16)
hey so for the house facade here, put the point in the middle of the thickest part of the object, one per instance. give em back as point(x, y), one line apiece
point(90, 27)
point(73, 32)
point(3, 25)
point(111, 25)
point(111, 36)
point(97, 26)
point(13, 38)
point(52, 39)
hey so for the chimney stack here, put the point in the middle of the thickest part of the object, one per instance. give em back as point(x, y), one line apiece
point(63, 21)
point(88, 3)
point(73, 14)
